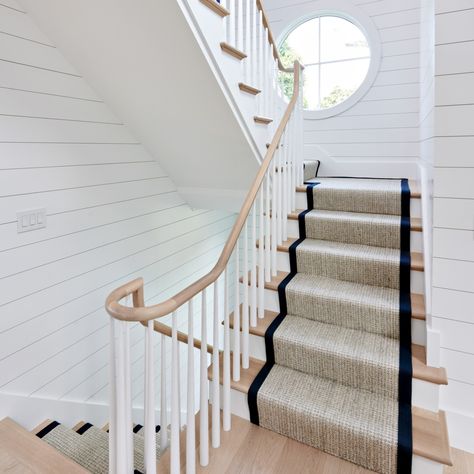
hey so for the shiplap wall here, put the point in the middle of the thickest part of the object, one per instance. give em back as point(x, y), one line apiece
point(379, 134)
point(453, 246)
point(112, 215)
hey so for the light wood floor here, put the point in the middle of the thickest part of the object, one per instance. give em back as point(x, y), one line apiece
point(463, 463)
point(250, 449)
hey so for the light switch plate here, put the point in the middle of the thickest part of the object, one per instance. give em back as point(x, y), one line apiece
point(31, 220)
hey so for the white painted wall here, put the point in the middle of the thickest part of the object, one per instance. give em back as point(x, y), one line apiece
point(453, 246)
point(378, 136)
point(112, 215)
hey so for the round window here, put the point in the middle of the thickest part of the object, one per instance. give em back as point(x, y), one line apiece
point(336, 55)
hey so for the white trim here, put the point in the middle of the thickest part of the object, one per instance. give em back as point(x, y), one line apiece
point(347, 11)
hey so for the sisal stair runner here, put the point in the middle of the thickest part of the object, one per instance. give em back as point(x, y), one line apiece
point(88, 445)
point(339, 368)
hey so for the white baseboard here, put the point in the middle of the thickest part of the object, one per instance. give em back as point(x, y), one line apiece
point(31, 411)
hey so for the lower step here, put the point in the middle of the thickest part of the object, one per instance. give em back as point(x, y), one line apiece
point(430, 437)
point(428, 427)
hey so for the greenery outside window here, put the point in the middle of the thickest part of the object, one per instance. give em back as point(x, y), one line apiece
point(336, 55)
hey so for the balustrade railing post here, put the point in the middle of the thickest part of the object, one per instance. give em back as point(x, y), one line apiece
point(236, 354)
point(245, 301)
point(150, 424)
point(226, 421)
point(261, 255)
point(204, 396)
point(190, 428)
point(163, 398)
point(253, 273)
point(175, 405)
point(216, 426)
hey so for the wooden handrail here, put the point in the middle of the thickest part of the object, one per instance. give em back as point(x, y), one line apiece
point(141, 313)
point(271, 39)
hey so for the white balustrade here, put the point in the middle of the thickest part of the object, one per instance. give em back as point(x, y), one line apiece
point(265, 225)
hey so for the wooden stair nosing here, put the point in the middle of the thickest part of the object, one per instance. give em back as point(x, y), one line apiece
point(414, 191)
point(249, 89)
point(417, 263)
point(415, 222)
point(236, 53)
point(262, 120)
point(42, 425)
point(421, 371)
point(430, 435)
point(216, 7)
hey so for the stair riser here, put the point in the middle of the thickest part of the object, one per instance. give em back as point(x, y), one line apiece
point(415, 204)
point(418, 327)
point(425, 394)
point(416, 238)
point(239, 407)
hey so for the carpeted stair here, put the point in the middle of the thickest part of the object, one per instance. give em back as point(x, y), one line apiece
point(338, 370)
point(89, 446)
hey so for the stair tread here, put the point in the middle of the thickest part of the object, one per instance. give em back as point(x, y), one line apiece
point(22, 451)
point(415, 222)
point(417, 263)
point(421, 371)
point(417, 300)
point(216, 7)
point(261, 119)
point(430, 438)
point(248, 88)
point(414, 188)
point(232, 51)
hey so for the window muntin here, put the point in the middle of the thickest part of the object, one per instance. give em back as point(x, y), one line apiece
point(336, 54)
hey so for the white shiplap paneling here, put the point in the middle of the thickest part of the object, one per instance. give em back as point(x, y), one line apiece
point(364, 131)
point(112, 212)
point(453, 245)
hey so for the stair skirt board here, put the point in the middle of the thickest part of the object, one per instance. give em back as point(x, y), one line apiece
point(345, 390)
point(88, 445)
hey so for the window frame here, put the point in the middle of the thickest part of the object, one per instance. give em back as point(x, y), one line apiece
point(341, 9)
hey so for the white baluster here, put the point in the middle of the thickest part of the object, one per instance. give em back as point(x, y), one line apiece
point(261, 67)
point(294, 161)
point(274, 237)
point(216, 427)
point(113, 454)
point(175, 415)
point(285, 187)
point(236, 355)
point(253, 273)
point(204, 403)
point(261, 255)
point(226, 420)
point(240, 25)
point(268, 273)
point(266, 88)
point(190, 428)
point(254, 57)
point(232, 23)
point(279, 204)
point(248, 44)
point(150, 424)
point(122, 463)
point(245, 302)
point(163, 397)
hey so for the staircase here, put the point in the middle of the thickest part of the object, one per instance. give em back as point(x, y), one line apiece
point(313, 321)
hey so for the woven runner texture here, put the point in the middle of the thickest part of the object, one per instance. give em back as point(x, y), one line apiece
point(89, 447)
point(338, 371)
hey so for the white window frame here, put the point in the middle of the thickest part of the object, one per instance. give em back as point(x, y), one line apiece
point(346, 11)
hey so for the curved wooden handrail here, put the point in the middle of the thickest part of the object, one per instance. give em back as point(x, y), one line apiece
point(141, 313)
point(271, 39)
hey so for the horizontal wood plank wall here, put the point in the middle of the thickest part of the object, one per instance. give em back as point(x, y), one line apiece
point(112, 215)
point(379, 135)
point(453, 249)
